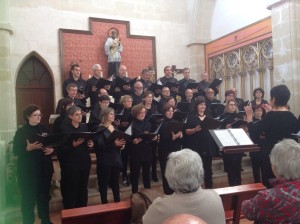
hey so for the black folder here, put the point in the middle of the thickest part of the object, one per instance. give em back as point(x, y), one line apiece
point(185, 106)
point(192, 85)
point(215, 106)
point(155, 118)
point(49, 140)
point(173, 126)
point(214, 84)
point(102, 82)
point(84, 108)
point(171, 85)
point(239, 123)
point(115, 106)
point(154, 87)
point(148, 137)
point(88, 135)
point(121, 82)
point(116, 134)
point(180, 116)
point(210, 123)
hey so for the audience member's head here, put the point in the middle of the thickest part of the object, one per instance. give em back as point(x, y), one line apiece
point(138, 88)
point(280, 96)
point(126, 101)
point(229, 95)
point(184, 219)
point(104, 101)
point(146, 75)
point(184, 171)
point(285, 159)
point(165, 92)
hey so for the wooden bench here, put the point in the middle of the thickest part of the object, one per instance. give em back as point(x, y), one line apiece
point(112, 213)
point(120, 212)
point(232, 198)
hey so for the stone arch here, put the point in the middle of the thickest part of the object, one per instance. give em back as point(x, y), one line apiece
point(34, 85)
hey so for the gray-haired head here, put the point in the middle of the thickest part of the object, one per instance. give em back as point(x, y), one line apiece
point(285, 159)
point(73, 109)
point(95, 66)
point(184, 171)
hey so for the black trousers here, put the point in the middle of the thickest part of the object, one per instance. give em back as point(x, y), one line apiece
point(154, 161)
point(163, 163)
point(135, 169)
point(108, 175)
point(35, 191)
point(233, 166)
point(257, 164)
point(74, 185)
point(113, 68)
point(124, 156)
point(207, 163)
point(267, 172)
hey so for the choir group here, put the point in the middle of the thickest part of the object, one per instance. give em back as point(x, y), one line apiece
point(135, 122)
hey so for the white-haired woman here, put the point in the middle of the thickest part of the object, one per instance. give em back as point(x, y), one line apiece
point(184, 173)
point(280, 204)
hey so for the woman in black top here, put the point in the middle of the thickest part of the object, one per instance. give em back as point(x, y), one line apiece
point(75, 163)
point(34, 167)
point(60, 121)
point(258, 95)
point(232, 161)
point(199, 139)
point(169, 142)
point(123, 124)
point(140, 153)
point(109, 162)
point(151, 109)
point(279, 123)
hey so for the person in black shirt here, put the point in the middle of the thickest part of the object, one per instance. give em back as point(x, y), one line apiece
point(137, 95)
point(168, 143)
point(140, 153)
point(232, 161)
point(258, 95)
point(199, 139)
point(185, 81)
point(60, 121)
point(75, 77)
point(109, 162)
point(34, 167)
point(279, 123)
point(75, 163)
point(165, 92)
point(91, 89)
point(117, 91)
point(145, 79)
point(167, 77)
point(210, 99)
point(95, 113)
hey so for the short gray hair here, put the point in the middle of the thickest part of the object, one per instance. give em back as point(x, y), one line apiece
point(95, 66)
point(184, 171)
point(285, 157)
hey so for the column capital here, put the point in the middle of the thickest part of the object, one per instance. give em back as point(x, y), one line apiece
point(275, 3)
point(7, 27)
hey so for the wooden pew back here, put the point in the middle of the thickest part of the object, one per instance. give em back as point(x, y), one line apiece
point(112, 213)
point(120, 212)
point(232, 198)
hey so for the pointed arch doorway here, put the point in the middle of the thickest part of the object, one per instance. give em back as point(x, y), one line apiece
point(34, 85)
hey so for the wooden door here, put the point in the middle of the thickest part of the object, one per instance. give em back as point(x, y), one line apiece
point(34, 86)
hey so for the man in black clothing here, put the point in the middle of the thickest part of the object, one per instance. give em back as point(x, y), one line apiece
point(210, 99)
point(165, 93)
point(91, 89)
point(168, 77)
point(71, 93)
point(185, 81)
point(75, 77)
point(239, 101)
point(137, 95)
point(118, 91)
point(145, 79)
point(204, 83)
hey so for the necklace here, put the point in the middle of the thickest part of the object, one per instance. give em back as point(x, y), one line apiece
point(201, 115)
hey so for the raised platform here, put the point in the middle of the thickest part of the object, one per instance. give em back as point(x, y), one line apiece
point(219, 180)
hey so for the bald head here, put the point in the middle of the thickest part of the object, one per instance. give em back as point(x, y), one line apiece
point(184, 219)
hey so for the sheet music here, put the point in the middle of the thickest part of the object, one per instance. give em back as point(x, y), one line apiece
point(241, 136)
point(129, 130)
point(225, 137)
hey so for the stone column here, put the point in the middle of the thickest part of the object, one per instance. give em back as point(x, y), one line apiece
point(286, 47)
point(7, 115)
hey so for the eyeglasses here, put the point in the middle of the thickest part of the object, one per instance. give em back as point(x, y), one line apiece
point(142, 112)
point(77, 114)
point(37, 115)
